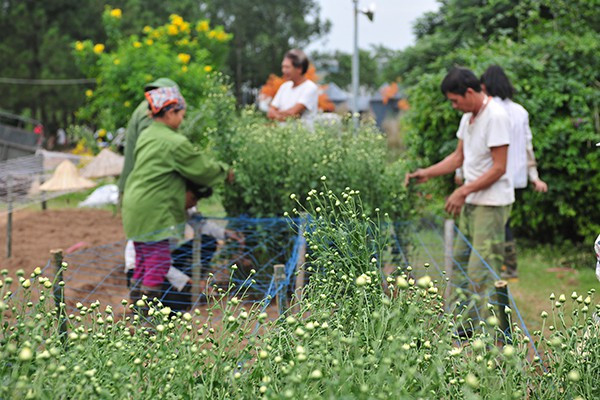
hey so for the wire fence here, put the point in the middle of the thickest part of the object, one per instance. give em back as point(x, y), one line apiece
point(103, 273)
point(20, 179)
point(206, 261)
point(429, 247)
point(213, 264)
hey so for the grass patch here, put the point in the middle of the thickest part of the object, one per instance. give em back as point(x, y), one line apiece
point(542, 272)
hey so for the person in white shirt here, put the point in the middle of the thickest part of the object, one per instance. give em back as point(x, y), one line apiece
point(521, 159)
point(298, 97)
point(485, 200)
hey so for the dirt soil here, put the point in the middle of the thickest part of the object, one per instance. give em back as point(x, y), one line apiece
point(35, 233)
point(93, 243)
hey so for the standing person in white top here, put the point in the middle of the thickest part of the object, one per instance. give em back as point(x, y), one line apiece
point(485, 200)
point(299, 96)
point(521, 159)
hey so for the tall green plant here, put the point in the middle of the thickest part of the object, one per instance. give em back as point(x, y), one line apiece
point(272, 161)
point(190, 53)
point(346, 338)
point(556, 77)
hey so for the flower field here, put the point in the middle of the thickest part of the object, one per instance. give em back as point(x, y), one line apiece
point(355, 334)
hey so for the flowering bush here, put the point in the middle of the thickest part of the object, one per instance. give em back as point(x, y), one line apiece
point(346, 338)
point(192, 54)
point(272, 161)
point(563, 115)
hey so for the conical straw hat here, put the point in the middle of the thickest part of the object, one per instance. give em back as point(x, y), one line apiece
point(65, 178)
point(106, 163)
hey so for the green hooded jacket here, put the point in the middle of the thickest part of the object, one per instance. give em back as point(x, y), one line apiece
point(139, 121)
point(154, 200)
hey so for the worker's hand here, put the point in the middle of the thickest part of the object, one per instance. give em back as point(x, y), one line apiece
point(456, 201)
point(274, 114)
point(540, 186)
point(420, 175)
point(230, 176)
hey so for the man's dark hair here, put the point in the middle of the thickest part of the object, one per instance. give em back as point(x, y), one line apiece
point(497, 83)
point(458, 80)
point(298, 59)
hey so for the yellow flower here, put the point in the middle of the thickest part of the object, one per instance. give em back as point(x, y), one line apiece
point(222, 36)
point(184, 58)
point(115, 13)
point(202, 26)
point(176, 19)
point(116, 61)
point(184, 68)
point(147, 29)
point(89, 93)
point(102, 133)
point(127, 104)
point(149, 42)
point(185, 26)
point(80, 148)
point(212, 34)
point(137, 44)
point(79, 46)
point(155, 34)
point(207, 68)
point(98, 48)
point(172, 30)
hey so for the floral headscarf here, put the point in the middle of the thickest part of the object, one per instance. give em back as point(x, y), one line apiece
point(165, 98)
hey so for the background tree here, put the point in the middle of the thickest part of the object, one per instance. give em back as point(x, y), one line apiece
point(190, 52)
point(36, 38)
point(262, 33)
point(551, 55)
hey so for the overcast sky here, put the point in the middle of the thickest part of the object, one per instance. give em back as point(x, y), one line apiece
point(392, 26)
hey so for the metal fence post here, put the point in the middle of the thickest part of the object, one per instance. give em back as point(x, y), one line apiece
point(448, 260)
point(44, 204)
point(9, 216)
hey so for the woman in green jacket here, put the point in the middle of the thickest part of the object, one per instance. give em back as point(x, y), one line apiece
point(154, 200)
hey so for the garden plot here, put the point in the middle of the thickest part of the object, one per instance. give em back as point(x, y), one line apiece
point(99, 273)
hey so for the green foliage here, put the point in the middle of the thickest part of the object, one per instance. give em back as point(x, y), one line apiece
point(555, 74)
point(35, 44)
point(263, 31)
point(272, 162)
point(353, 335)
point(189, 53)
point(38, 37)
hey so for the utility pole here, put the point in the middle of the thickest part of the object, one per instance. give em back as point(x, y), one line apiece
point(370, 12)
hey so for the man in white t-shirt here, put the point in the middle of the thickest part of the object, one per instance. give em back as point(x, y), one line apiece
point(485, 200)
point(298, 97)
